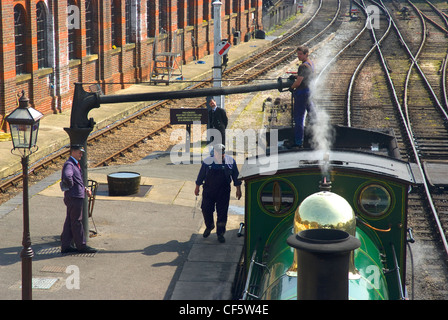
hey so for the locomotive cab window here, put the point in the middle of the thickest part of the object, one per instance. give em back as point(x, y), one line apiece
point(277, 197)
point(374, 200)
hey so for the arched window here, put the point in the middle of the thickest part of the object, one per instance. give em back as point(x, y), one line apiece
point(163, 17)
point(228, 7)
point(205, 10)
point(235, 6)
point(115, 26)
point(190, 13)
point(91, 27)
point(42, 39)
point(128, 16)
point(180, 14)
point(150, 12)
point(19, 37)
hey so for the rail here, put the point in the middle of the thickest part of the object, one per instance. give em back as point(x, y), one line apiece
point(408, 129)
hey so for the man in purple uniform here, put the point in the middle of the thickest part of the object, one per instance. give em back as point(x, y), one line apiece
point(72, 184)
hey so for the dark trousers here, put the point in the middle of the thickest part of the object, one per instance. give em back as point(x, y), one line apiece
point(219, 200)
point(73, 228)
point(302, 103)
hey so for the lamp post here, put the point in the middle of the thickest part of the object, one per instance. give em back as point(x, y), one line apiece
point(217, 59)
point(24, 126)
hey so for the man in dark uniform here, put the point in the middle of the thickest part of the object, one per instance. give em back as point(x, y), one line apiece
point(217, 118)
point(72, 184)
point(301, 92)
point(217, 172)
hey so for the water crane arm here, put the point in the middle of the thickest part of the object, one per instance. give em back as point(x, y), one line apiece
point(84, 101)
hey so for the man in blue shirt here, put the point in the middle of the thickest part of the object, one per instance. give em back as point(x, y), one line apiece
point(216, 173)
point(301, 92)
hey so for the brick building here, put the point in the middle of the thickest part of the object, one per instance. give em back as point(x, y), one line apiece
point(48, 45)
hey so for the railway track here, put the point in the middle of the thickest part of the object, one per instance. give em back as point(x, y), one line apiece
point(406, 94)
point(357, 91)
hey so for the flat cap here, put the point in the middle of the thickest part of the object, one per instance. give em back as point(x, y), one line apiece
point(77, 147)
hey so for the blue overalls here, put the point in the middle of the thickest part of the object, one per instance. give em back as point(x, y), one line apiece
point(216, 191)
point(302, 103)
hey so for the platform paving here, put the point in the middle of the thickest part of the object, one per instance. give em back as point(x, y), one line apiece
point(150, 246)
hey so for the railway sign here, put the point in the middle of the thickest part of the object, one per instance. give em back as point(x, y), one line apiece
point(188, 116)
point(222, 47)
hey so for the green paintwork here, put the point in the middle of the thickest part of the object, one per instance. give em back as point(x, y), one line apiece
point(266, 231)
point(277, 285)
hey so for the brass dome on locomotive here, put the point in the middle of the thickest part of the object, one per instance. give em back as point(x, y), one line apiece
point(325, 210)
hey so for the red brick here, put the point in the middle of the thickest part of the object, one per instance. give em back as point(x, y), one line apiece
point(53, 91)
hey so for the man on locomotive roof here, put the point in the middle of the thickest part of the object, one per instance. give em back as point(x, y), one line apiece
point(217, 173)
point(301, 93)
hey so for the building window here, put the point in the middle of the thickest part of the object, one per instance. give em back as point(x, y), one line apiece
point(190, 13)
point(115, 26)
point(19, 37)
point(91, 27)
point(150, 10)
point(205, 10)
point(163, 17)
point(128, 17)
point(228, 7)
point(235, 6)
point(180, 14)
point(42, 39)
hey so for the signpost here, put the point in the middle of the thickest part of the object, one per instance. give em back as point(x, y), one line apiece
point(222, 47)
point(188, 116)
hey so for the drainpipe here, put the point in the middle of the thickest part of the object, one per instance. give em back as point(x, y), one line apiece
point(217, 60)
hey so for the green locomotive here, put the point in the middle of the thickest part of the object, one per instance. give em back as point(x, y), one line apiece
point(362, 191)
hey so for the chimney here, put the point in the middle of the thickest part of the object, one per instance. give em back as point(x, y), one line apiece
point(323, 263)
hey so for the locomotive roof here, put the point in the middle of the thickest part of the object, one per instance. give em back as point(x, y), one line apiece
point(336, 159)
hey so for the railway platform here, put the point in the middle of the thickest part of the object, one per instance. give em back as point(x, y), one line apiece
point(150, 244)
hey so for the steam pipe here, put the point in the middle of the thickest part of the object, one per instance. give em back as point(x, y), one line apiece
point(180, 94)
point(84, 101)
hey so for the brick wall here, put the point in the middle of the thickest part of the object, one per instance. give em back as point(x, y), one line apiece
point(113, 65)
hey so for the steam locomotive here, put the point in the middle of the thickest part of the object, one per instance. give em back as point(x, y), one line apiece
point(362, 191)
